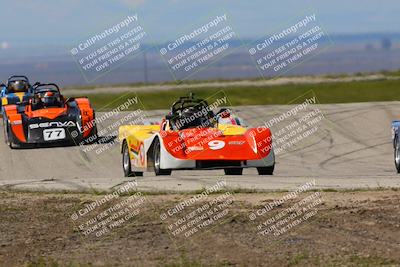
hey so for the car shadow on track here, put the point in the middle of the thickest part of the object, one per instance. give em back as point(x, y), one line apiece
point(101, 140)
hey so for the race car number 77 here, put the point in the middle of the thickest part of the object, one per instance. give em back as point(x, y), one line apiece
point(53, 134)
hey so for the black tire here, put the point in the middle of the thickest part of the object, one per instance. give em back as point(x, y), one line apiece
point(157, 160)
point(397, 156)
point(94, 132)
point(126, 163)
point(5, 132)
point(93, 137)
point(8, 135)
point(266, 170)
point(233, 171)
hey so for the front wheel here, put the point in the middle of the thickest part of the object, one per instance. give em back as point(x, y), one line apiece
point(126, 163)
point(157, 160)
point(266, 170)
point(8, 135)
point(5, 132)
point(93, 137)
point(397, 156)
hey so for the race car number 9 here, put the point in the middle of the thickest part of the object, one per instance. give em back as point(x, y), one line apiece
point(216, 144)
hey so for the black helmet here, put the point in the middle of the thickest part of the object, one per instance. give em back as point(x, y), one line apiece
point(18, 86)
point(191, 117)
point(224, 113)
point(49, 99)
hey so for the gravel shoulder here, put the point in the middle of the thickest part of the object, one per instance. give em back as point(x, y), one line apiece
point(349, 229)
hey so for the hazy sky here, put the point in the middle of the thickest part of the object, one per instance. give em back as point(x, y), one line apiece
point(68, 21)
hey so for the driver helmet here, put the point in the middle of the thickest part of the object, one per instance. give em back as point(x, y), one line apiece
point(225, 113)
point(49, 99)
point(19, 86)
point(189, 119)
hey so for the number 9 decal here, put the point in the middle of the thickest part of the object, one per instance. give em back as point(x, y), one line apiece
point(216, 144)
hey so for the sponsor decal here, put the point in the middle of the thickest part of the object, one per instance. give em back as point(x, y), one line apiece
point(52, 124)
point(142, 155)
point(16, 122)
point(236, 143)
point(195, 148)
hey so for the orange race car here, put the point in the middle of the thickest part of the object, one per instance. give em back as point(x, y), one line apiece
point(49, 118)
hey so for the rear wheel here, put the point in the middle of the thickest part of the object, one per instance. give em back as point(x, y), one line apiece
point(266, 170)
point(397, 156)
point(157, 160)
point(126, 163)
point(234, 171)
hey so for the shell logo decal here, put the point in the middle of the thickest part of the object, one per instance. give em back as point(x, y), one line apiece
point(142, 154)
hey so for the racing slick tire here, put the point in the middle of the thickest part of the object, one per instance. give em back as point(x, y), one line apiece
point(397, 155)
point(93, 137)
point(266, 170)
point(5, 131)
point(126, 163)
point(157, 160)
point(234, 171)
point(7, 134)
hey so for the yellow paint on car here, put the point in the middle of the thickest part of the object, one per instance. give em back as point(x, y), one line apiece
point(229, 129)
point(20, 96)
point(136, 134)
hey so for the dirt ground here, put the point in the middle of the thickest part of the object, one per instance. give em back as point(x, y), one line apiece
point(347, 229)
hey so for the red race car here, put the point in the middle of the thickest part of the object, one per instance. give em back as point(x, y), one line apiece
point(49, 118)
point(192, 136)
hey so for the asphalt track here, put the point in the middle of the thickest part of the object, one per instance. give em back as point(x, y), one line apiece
point(350, 149)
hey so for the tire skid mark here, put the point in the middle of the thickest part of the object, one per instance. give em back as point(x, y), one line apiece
point(323, 163)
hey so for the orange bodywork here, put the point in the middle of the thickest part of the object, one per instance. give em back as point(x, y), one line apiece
point(15, 121)
point(49, 113)
point(206, 143)
point(17, 127)
point(87, 114)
